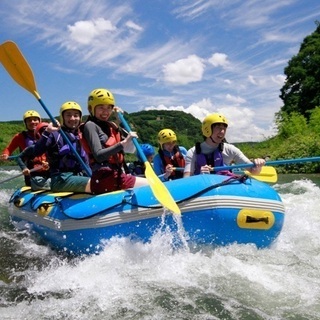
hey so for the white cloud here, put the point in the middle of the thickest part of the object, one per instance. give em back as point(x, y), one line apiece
point(252, 79)
point(219, 60)
point(130, 24)
point(279, 79)
point(233, 99)
point(242, 127)
point(84, 32)
point(278, 37)
point(184, 71)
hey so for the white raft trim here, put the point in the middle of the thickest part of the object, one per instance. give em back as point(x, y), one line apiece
point(137, 213)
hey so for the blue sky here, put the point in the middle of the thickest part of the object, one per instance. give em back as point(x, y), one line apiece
point(198, 56)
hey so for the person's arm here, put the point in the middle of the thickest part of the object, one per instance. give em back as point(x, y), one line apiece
point(258, 164)
point(43, 144)
point(91, 133)
point(27, 153)
point(234, 154)
point(190, 163)
point(17, 142)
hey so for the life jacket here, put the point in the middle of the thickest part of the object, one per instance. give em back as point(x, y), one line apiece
point(177, 160)
point(35, 161)
point(214, 159)
point(28, 138)
point(62, 158)
point(114, 137)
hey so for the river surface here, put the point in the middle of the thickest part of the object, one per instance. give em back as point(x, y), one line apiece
point(151, 281)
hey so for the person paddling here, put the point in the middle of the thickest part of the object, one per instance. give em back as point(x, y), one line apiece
point(170, 156)
point(214, 151)
point(23, 140)
point(66, 171)
point(106, 146)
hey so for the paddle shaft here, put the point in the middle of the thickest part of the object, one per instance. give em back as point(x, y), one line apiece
point(135, 141)
point(159, 190)
point(20, 174)
point(269, 163)
point(66, 139)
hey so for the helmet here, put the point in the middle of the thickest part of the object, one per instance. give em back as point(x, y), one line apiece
point(69, 105)
point(147, 149)
point(166, 135)
point(211, 119)
point(40, 128)
point(30, 114)
point(99, 96)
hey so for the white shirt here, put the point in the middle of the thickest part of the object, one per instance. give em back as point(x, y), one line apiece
point(230, 153)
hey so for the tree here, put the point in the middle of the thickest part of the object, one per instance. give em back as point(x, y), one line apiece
point(292, 124)
point(301, 91)
point(314, 121)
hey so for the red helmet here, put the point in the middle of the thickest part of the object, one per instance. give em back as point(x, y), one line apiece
point(40, 128)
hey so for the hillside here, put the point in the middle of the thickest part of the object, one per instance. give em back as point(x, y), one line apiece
point(149, 123)
point(188, 129)
point(146, 123)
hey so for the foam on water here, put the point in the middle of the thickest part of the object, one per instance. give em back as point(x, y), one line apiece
point(132, 280)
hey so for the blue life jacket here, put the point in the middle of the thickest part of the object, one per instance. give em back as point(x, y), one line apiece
point(62, 159)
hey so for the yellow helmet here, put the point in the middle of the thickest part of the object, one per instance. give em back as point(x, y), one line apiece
point(166, 135)
point(69, 105)
point(211, 119)
point(99, 96)
point(30, 114)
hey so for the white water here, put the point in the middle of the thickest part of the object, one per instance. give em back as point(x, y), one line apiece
point(151, 281)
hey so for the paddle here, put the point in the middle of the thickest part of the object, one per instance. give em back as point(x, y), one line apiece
point(267, 174)
point(17, 66)
point(158, 188)
point(269, 163)
point(19, 175)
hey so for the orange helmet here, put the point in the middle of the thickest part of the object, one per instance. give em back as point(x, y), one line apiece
point(40, 128)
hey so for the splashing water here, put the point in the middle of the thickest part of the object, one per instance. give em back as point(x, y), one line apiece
point(134, 280)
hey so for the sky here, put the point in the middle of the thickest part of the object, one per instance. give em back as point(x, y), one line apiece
point(196, 56)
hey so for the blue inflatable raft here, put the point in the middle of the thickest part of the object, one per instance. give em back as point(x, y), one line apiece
point(215, 210)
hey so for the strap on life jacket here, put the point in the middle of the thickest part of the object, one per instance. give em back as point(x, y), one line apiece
point(62, 157)
point(116, 161)
point(114, 137)
point(35, 161)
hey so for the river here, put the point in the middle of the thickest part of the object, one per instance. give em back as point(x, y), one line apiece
point(150, 281)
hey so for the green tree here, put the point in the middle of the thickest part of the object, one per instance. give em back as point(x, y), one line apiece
point(314, 120)
point(292, 124)
point(301, 91)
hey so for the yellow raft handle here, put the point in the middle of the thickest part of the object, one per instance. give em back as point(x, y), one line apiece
point(255, 219)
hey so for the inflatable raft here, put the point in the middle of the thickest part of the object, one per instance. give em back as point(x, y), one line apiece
point(215, 210)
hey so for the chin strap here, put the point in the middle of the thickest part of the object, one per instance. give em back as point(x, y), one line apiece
point(213, 140)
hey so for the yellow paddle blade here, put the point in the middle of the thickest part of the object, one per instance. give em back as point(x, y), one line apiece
point(267, 174)
point(17, 66)
point(160, 191)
